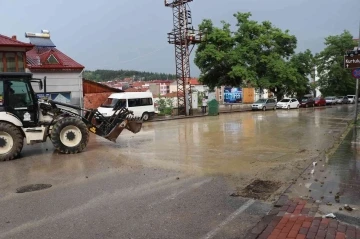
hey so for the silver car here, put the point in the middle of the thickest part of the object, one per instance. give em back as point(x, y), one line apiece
point(264, 104)
point(342, 100)
point(330, 100)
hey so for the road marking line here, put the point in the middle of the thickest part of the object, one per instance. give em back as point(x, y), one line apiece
point(175, 194)
point(241, 209)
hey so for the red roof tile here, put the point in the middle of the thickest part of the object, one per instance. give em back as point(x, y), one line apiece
point(173, 95)
point(7, 41)
point(194, 81)
point(37, 60)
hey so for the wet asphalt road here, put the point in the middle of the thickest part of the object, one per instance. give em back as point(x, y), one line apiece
point(171, 180)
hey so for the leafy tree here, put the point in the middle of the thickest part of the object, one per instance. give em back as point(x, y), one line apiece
point(166, 105)
point(334, 79)
point(256, 54)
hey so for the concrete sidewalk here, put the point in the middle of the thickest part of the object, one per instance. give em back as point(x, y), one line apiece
point(330, 185)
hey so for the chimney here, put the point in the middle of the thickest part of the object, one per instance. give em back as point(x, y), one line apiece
point(14, 37)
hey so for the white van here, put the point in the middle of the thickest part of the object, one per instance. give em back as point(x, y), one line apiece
point(141, 103)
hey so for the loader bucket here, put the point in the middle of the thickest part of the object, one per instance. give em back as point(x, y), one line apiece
point(116, 131)
point(134, 126)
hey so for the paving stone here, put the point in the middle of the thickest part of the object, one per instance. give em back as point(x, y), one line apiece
point(340, 235)
point(305, 211)
point(311, 235)
point(350, 234)
point(282, 235)
point(304, 230)
point(283, 200)
point(333, 224)
point(291, 209)
point(306, 224)
point(341, 228)
point(321, 233)
point(293, 233)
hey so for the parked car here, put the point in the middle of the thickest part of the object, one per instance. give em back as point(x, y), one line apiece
point(307, 102)
point(264, 104)
point(331, 100)
point(319, 101)
point(342, 100)
point(351, 98)
point(288, 103)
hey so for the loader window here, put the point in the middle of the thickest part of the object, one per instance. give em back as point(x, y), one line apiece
point(19, 94)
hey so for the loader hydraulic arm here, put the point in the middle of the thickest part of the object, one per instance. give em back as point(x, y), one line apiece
point(109, 128)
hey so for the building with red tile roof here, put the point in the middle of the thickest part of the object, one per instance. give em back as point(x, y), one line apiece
point(63, 73)
point(13, 42)
point(50, 59)
point(12, 54)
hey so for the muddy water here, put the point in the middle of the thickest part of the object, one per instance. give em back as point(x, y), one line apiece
point(270, 145)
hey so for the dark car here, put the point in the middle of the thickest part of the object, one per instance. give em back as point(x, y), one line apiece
point(320, 101)
point(307, 102)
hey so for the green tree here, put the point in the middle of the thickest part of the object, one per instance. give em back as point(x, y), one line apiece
point(334, 79)
point(256, 54)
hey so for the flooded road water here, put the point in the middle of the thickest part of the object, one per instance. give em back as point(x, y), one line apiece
point(171, 180)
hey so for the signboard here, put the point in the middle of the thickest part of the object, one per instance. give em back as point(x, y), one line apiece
point(352, 62)
point(356, 73)
point(63, 97)
point(232, 95)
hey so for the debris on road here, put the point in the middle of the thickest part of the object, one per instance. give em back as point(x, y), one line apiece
point(330, 215)
point(348, 208)
point(337, 198)
point(258, 189)
point(32, 188)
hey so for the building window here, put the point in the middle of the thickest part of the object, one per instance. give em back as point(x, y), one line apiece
point(52, 60)
point(12, 62)
point(1, 62)
point(20, 61)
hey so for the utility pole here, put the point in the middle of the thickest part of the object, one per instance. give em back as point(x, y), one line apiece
point(182, 36)
point(357, 87)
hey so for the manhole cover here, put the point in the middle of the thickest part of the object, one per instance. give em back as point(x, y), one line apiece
point(32, 188)
point(259, 189)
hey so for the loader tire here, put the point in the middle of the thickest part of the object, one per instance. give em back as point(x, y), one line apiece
point(70, 135)
point(11, 141)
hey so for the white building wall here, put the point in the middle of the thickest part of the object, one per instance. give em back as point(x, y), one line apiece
point(63, 82)
point(173, 87)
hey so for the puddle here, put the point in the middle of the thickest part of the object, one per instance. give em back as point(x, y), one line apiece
point(32, 188)
point(259, 189)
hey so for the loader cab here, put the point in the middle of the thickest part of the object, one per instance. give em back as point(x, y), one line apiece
point(18, 98)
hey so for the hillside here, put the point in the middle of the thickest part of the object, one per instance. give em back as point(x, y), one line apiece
point(107, 75)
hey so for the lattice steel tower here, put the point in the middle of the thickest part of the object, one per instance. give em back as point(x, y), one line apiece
point(183, 36)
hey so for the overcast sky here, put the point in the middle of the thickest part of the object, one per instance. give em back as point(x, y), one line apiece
point(132, 34)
